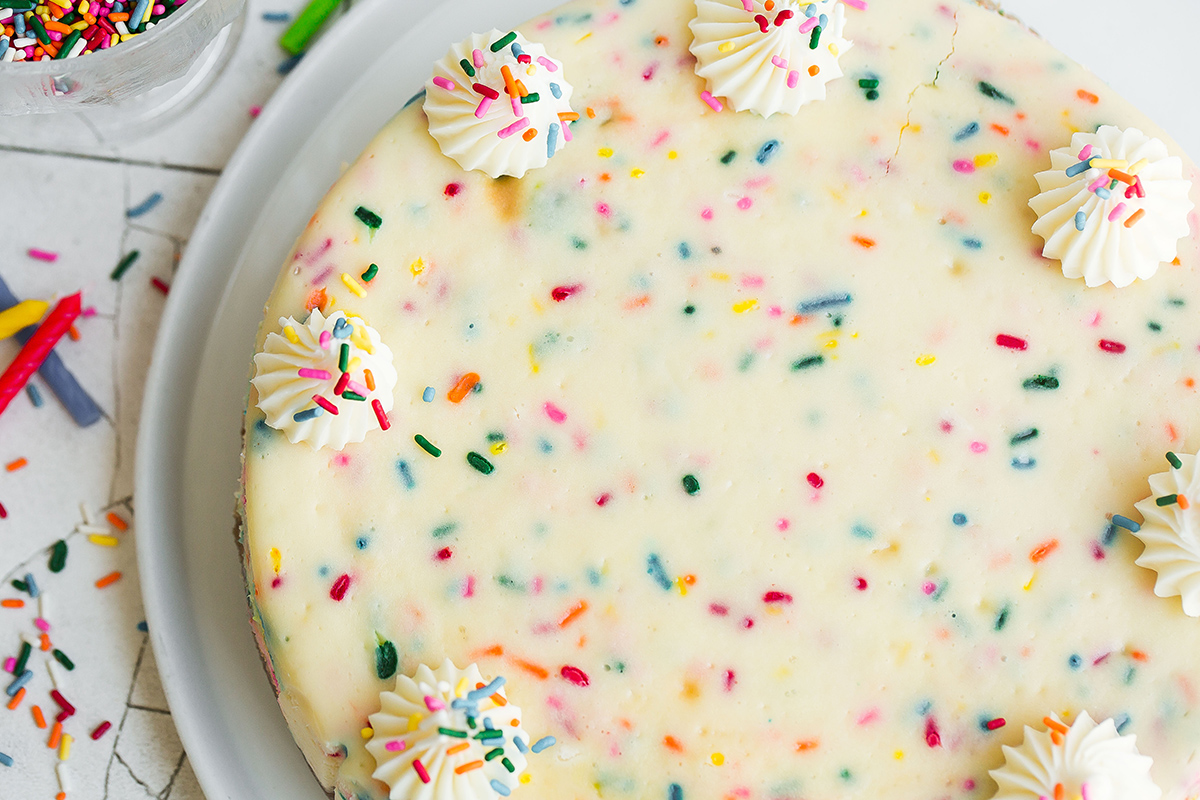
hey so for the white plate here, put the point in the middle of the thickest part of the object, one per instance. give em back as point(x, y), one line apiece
point(188, 450)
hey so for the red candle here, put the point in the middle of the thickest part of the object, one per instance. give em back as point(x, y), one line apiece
point(53, 328)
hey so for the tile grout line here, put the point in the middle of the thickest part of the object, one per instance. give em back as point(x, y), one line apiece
point(38, 151)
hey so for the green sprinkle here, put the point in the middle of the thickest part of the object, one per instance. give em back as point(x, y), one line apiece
point(1001, 619)
point(504, 41)
point(427, 446)
point(39, 29)
point(298, 34)
point(1167, 500)
point(807, 363)
point(1023, 436)
point(815, 39)
point(1040, 383)
point(467, 68)
point(532, 97)
point(455, 734)
point(58, 556)
point(444, 530)
point(471, 723)
point(988, 90)
point(1174, 460)
point(368, 217)
point(370, 274)
point(494, 754)
point(124, 264)
point(689, 309)
point(23, 658)
point(728, 158)
point(349, 395)
point(868, 83)
point(386, 658)
point(508, 765)
point(490, 733)
point(872, 94)
point(344, 358)
point(480, 463)
point(690, 484)
point(20, 586)
point(67, 44)
point(61, 658)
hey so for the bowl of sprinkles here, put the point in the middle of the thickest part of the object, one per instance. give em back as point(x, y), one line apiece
point(76, 55)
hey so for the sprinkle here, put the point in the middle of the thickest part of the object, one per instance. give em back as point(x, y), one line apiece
point(995, 724)
point(118, 523)
point(62, 658)
point(43, 255)
point(1080, 220)
point(1174, 461)
point(325, 404)
point(499, 788)
point(470, 765)
point(573, 613)
point(39, 718)
point(1135, 217)
point(767, 151)
point(1077, 169)
point(1040, 382)
point(504, 41)
point(815, 39)
point(1126, 523)
point(380, 414)
point(712, 102)
point(574, 675)
point(58, 556)
point(144, 207)
point(16, 700)
point(793, 79)
point(101, 729)
point(988, 90)
point(965, 133)
point(1167, 500)
point(1011, 342)
point(308, 414)
point(543, 743)
point(1109, 346)
point(444, 83)
point(368, 217)
point(427, 446)
point(340, 586)
point(315, 374)
point(1040, 552)
point(428, 394)
point(19, 682)
point(35, 396)
point(108, 580)
point(808, 362)
point(690, 484)
point(420, 768)
point(353, 285)
point(480, 463)
point(1116, 212)
point(464, 386)
point(504, 133)
point(6, 759)
point(13, 466)
point(397, 745)
point(656, 570)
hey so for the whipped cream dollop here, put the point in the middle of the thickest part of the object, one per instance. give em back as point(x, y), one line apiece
point(1113, 206)
point(768, 56)
point(1089, 761)
point(1171, 532)
point(499, 104)
point(326, 381)
point(436, 736)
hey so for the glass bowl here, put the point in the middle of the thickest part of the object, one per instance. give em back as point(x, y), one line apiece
point(139, 77)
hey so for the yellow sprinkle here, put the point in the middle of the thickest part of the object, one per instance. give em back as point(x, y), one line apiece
point(104, 541)
point(414, 721)
point(637, 173)
point(1110, 163)
point(831, 344)
point(725, 47)
point(899, 754)
point(672, 155)
point(367, 733)
point(525, 777)
point(682, 586)
point(64, 747)
point(498, 448)
point(1029, 585)
point(417, 267)
point(745, 305)
point(1136, 166)
point(587, 35)
point(461, 688)
point(605, 152)
point(926, 359)
point(934, 457)
point(985, 197)
point(276, 559)
point(718, 759)
point(533, 364)
point(719, 276)
point(360, 339)
point(531, 69)
point(353, 285)
point(986, 159)
point(354, 364)
point(290, 333)
point(833, 48)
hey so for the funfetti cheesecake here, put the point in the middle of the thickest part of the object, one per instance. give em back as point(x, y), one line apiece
point(698, 399)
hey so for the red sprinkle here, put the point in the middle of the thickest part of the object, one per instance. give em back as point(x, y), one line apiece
point(381, 415)
point(994, 724)
point(1097, 551)
point(777, 597)
point(748, 623)
point(340, 586)
point(730, 680)
point(932, 737)
point(101, 729)
point(158, 284)
point(1110, 346)
point(3, 512)
point(422, 773)
point(561, 293)
point(575, 675)
point(445, 554)
point(604, 499)
point(67, 708)
point(1011, 342)
point(860, 584)
point(452, 189)
point(815, 480)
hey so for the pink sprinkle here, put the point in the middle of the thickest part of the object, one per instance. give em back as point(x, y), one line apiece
point(978, 447)
point(748, 5)
point(340, 586)
point(433, 703)
point(808, 24)
point(1109, 346)
point(929, 587)
point(779, 62)
point(395, 746)
point(649, 73)
point(815, 480)
point(445, 83)
point(932, 737)
point(560, 293)
point(706, 214)
point(1099, 182)
point(556, 414)
point(730, 680)
point(965, 166)
point(1116, 213)
point(477, 57)
point(277, 582)
point(325, 338)
point(775, 311)
point(1085, 153)
point(713, 102)
point(380, 414)
point(517, 107)
point(793, 79)
point(869, 716)
point(520, 124)
point(575, 675)
point(10, 664)
point(1137, 187)
point(969, 784)
point(547, 63)
point(782, 524)
point(42, 625)
point(90, 311)
point(748, 623)
point(357, 388)
point(255, 111)
point(1097, 551)
point(315, 374)
point(417, 765)
point(469, 589)
point(777, 597)
point(745, 203)
point(566, 131)
point(1011, 342)
point(861, 5)
point(484, 105)
point(325, 404)
point(718, 609)
point(603, 210)
point(860, 583)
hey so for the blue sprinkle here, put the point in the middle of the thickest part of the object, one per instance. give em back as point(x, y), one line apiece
point(362, 542)
point(545, 446)
point(32, 584)
point(35, 396)
point(517, 51)
point(341, 329)
point(145, 206)
point(1024, 462)
point(6, 759)
point(289, 64)
point(767, 151)
point(959, 519)
point(307, 414)
point(18, 682)
point(684, 250)
point(405, 475)
point(276, 16)
point(1110, 536)
point(967, 132)
point(1122, 722)
point(520, 743)
point(429, 394)
point(551, 140)
point(542, 743)
point(1075, 662)
point(489, 725)
point(823, 23)
point(924, 707)
point(974, 244)
point(467, 705)
point(654, 568)
point(1080, 220)
point(416, 97)
point(475, 695)
point(1103, 193)
point(861, 531)
point(143, 627)
point(675, 791)
point(821, 303)
point(1126, 523)
point(1078, 169)
point(556, 90)
point(498, 787)
point(810, 10)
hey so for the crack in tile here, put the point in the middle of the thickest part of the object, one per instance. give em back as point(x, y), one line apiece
point(937, 73)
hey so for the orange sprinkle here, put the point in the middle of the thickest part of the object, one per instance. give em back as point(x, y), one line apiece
point(1058, 791)
point(769, 5)
point(641, 301)
point(806, 744)
point(458, 748)
point(465, 384)
point(60, 796)
point(470, 765)
point(573, 613)
point(13, 466)
point(1054, 725)
point(531, 668)
point(510, 84)
point(591, 112)
point(16, 699)
point(370, 379)
point(498, 699)
point(12, 603)
point(1000, 129)
point(813, 70)
point(116, 521)
point(55, 736)
point(1172, 434)
point(494, 650)
point(1180, 499)
point(605, 177)
point(1135, 218)
point(1056, 737)
point(1084, 94)
point(46, 643)
point(73, 332)
point(690, 580)
point(108, 580)
point(1041, 551)
point(55, 25)
point(39, 719)
point(529, 134)
point(316, 298)
point(121, 16)
point(671, 743)
point(661, 41)
point(864, 242)
point(566, 116)
point(1121, 176)
point(521, 89)
point(1138, 655)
